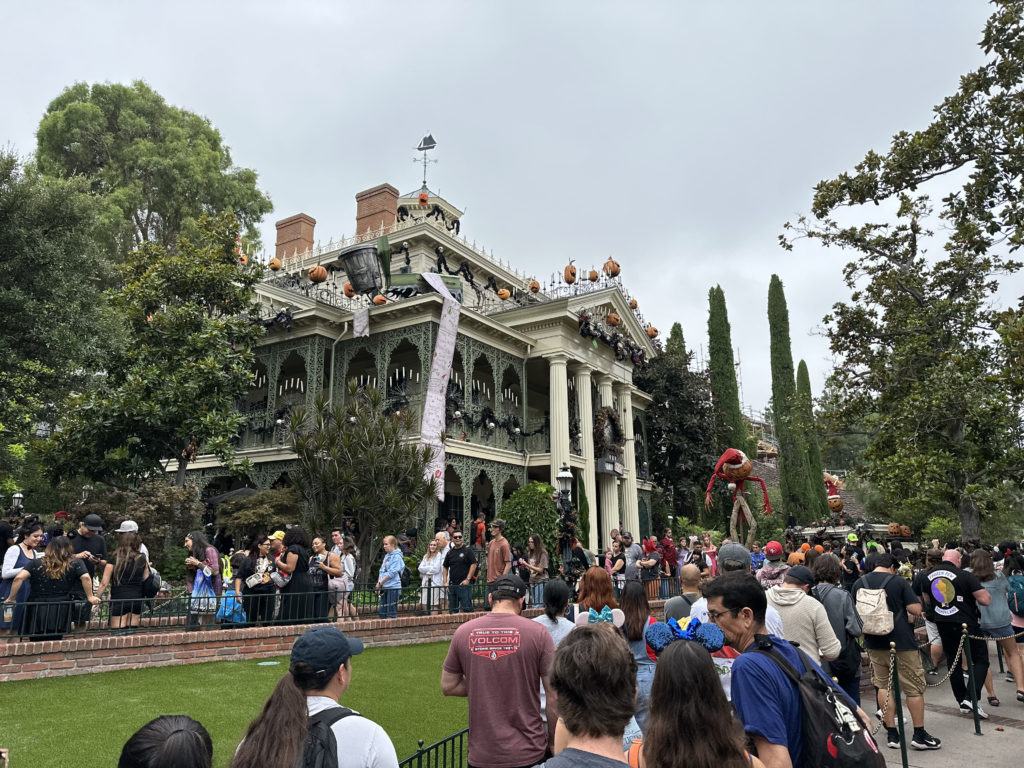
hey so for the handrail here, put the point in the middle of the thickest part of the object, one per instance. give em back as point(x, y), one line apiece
point(449, 752)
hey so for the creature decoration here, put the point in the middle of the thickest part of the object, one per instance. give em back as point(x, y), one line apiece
point(436, 212)
point(832, 487)
point(594, 327)
point(734, 467)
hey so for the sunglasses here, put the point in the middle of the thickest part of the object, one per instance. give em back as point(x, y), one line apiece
point(456, 537)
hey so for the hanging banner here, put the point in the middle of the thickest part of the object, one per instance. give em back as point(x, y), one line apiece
point(437, 387)
point(361, 322)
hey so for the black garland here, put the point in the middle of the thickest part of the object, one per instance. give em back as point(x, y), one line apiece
point(623, 346)
point(436, 212)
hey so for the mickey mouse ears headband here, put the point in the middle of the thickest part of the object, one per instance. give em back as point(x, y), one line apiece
point(609, 615)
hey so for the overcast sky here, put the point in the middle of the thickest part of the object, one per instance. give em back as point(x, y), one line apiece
point(676, 136)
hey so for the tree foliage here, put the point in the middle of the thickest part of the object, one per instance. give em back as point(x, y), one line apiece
point(921, 359)
point(732, 431)
point(158, 168)
point(172, 389)
point(262, 512)
point(357, 460)
point(530, 510)
point(805, 423)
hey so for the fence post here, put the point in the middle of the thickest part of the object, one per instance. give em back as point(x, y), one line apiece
point(898, 714)
point(970, 681)
point(999, 655)
point(419, 753)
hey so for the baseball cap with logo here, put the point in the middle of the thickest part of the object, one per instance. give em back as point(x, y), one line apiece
point(508, 587)
point(773, 550)
point(128, 526)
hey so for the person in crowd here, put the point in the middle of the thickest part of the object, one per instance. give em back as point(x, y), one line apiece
point(954, 596)
point(337, 541)
point(633, 553)
point(51, 577)
point(766, 701)
point(499, 554)
point(556, 600)
point(595, 678)
point(932, 558)
point(431, 577)
point(89, 547)
point(804, 620)
point(15, 559)
point(699, 558)
point(756, 556)
point(677, 713)
point(7, 537)
point(774, 570)
point(636, 609)
point(293, 563)
point(252, 582)
point(479, 529)
point(304, 707)
point(811, 557)
point(997, 619)
point(733, 558)
point(168, 740)
point(323, 566)
point(845, 668)
point(201, 556)
point(337, 578)
point(710, 552)
point(516, 664)
point(539, 567)
point(125, 576)
point(347, 607)
point(617, 566)
point(130, 526)
point(459, 570)
point(669, 564)
point(1013, 565)
point(678, 607)
point(850, 565)
point(595, 591)
point(389, 579)
point(650, 567)
point(276, 544)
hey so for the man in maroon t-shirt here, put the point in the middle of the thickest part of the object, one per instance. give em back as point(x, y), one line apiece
point(497, 661)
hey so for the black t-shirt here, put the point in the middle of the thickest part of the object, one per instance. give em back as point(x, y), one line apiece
point(951, 593)
point(44, 588)
point(94, 544)
point(651, 572)
point(620, 558)
point(6, 535)
point(458, 561)
point(898, 595)
point(921, 586)
point(850, 577)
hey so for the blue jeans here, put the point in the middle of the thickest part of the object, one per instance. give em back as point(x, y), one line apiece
point(460, 596)
point(537, 594)
point(387, 608)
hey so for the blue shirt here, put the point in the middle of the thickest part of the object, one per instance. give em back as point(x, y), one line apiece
point(757, 560)
point(767, 702)
point(391, 570)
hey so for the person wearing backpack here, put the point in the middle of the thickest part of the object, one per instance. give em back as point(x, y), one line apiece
point(332, 736)
point(1013, 570)
point(883, 601)
point(997, 617)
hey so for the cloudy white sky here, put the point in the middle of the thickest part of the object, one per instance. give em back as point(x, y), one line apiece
point(677, 136)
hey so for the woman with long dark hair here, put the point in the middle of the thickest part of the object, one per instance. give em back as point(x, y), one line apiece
point(691, 723)
point(323, 565)
point(997, 619)
point(296, 595)
point(202, 556)
point(15, 560)
point(169, 741)
point(125, 574)
point(252, 582)
point(538, 564)
point(637, 611)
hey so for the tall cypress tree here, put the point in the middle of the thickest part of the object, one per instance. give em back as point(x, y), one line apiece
point(815, 467)
point(676, 344)
point(792, 463)
point(732, 427)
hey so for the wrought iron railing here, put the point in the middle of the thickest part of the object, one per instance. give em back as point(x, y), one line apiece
point(449, 752)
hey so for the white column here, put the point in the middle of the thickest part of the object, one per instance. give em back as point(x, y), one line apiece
point(607, 483)
point(587, 447)
point(558, 412)
point(631, 509)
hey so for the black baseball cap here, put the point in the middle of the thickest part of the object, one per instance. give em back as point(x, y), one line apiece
point(625, 535)
point(93, 523)
point(802, 574)
point(508, 587)
point(325, 648)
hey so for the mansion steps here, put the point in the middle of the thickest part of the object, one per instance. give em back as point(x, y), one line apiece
point(541, 376)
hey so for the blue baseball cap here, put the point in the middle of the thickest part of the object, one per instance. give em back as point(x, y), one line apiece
point(325, 648)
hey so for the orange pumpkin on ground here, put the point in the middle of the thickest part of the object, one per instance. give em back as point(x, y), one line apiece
point(380, 299)
point(613, 319)
point(504, 293)
point(611, 267)
point(534, 286)
point(349, 290)
point(569, 273)
point(318, 274)
point(652, 332)
point(274, 264)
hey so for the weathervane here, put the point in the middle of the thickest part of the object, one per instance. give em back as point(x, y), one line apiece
point(427, 143)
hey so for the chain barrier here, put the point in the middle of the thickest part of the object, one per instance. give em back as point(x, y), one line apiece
point(888, 693)
point(1015, 636)
point(954, 666)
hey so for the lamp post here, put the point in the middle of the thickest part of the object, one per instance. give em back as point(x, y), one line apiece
point(567, 524)
point(16, 500)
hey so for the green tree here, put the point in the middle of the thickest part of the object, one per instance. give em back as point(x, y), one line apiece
point(171, 390)
point(157, 168)
point(792, 461)
point(356, 460)
point(57, 325)
point(919, 360)
point(530, 510)
point(733, 431)
point(804, 421)
point(675, 344)
point(268, 510)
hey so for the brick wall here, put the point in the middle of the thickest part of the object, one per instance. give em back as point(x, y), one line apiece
point(375, 207)
point(294, 234)
point(82, 655)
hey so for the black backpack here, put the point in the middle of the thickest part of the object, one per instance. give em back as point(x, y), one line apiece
point(321, 748)
point(833, 736)
point(405, 577)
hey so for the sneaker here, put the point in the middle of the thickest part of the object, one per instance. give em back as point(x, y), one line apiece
point(933, 673)
point(1009, 678)
point(923, 741)
point(893, 739)
point(966, 709)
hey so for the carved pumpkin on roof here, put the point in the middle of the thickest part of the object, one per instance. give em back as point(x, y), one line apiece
point(593, 275)
point(633, 304)
point(380, 299)
point(349, 290)
point(504, 293)
point(569, 273)
point(613, 319)
point(652, 332)
point(534, 286)
point(274, 264)
point(318, 274)
point(423, 198)
point(611, 267)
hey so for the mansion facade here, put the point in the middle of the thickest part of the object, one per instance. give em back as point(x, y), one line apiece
point(541, 375)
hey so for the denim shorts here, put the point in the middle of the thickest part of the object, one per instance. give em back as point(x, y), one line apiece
point(997, 633)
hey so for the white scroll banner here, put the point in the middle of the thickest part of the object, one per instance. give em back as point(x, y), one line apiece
point(361, 322)
point(437, 387)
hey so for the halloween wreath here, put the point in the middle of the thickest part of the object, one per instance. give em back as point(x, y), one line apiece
point(607, 429)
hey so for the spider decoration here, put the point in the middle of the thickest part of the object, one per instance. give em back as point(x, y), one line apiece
point(734, 467)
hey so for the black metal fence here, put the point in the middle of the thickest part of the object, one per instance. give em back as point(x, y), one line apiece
point(449, 752)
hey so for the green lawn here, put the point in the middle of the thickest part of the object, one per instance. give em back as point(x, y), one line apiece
point(84, 720)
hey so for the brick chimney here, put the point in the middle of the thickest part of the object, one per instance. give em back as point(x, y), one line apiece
point(294, 234)
point(376, 206)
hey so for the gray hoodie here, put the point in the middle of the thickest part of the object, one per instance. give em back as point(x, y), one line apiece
point(805, 622)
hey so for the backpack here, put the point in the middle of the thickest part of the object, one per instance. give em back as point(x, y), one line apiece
point(1015, 595)
point(873, 609)
point(321, 748)
point(405, 577)
point(833, 736)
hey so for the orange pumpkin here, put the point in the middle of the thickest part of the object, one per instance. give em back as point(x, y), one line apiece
point(349, 290)
point(652, 332)
point(423, 198)
point(593, 275)
point(318, 274)
point(274, 264)
point(633, 304)
point(835, 504)
point(534, 286)
point(380, 299)
point(613, 319)
point(243, 259)
point(504, 293)
point(611, 267)
point(569, 273)
point(149, 318)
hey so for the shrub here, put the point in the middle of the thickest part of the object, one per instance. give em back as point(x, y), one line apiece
point(530, 510)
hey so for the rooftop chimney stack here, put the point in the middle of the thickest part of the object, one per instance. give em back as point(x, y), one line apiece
point(376, 206)
point(294, 234)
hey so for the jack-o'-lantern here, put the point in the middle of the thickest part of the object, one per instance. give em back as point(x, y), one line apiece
point(611, 267)
point(593, 275)
point(380, 299)
point(318, 274)
point(613, 319)
point(652, 332)
point(349, 290)
point(504, 293)
point(633, 304)
point(835, 505)
point(274, 264)
point(423, 198)
point(569, 273)
point(243, 259)
point(905, 531)
point(894, 529)
point(534, 286)
point(738, 471)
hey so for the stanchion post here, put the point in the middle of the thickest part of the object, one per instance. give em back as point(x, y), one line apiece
point(970, 681)
point(999, 655)
point(898, 701)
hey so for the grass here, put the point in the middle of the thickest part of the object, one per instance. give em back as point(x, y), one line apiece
point(84, 720)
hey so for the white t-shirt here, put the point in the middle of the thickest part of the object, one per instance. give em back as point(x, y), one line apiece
point(361, 742)
point(772, 619)
point(143, 550)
